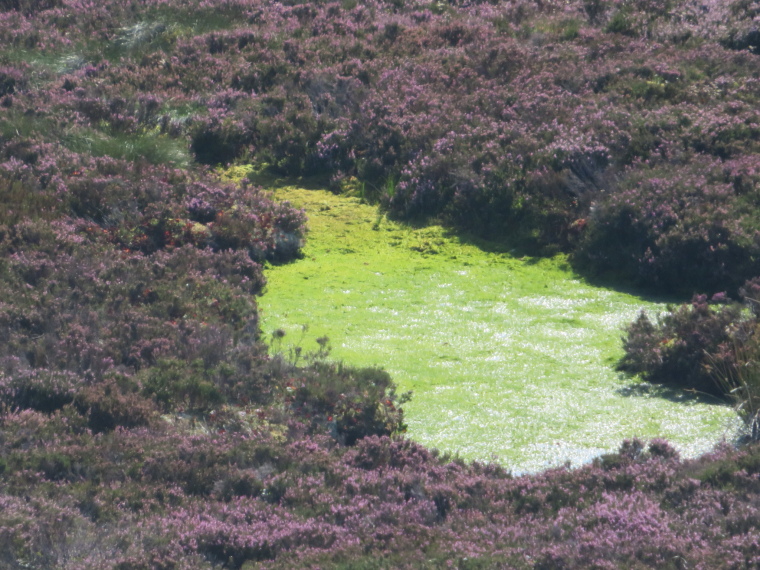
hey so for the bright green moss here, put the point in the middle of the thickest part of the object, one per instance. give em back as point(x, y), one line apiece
point(506, 357)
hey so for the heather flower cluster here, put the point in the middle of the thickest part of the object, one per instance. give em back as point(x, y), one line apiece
point(169, 499)
point(143, 423)
point(549, 122)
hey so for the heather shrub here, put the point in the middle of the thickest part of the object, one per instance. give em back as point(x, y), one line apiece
point(740, 379)
point(22, 201)
point(103, 406)
point(142, 341)
point(738, 375)
point(29, 6)
point(217, 141)
point(673, 232)
point(114, 403)
point(750, 294)
point(683, 346)
point(178, 385)
point(238, 501)
point(42, 391)
point(354, 403)
point(710, 348)
point(173, 209)
point(287, 130)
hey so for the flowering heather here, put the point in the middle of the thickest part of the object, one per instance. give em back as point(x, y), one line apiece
point(170, 499)
point(143, 423)
point(550, 122)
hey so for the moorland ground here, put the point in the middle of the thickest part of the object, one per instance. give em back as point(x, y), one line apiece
point(144, 422)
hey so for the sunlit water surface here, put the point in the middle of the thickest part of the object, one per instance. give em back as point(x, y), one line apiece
point(508, 359)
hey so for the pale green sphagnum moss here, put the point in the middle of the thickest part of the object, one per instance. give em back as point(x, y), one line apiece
point(507, 358)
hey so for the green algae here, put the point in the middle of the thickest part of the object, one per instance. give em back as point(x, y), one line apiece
point(509, 359)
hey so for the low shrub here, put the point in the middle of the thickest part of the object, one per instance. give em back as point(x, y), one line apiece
point(548, 125)
point(128, 271)
point(352, 403)
point(114, 403)
point(680, 231)
point(684, 345)
point(178, 385)
point(709, 347)
point(217, 141)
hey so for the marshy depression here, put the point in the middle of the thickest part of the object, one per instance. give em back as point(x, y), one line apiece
point(508, 358)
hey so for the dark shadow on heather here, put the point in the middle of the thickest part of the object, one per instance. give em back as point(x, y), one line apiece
point(532, 254)
point(623, 284)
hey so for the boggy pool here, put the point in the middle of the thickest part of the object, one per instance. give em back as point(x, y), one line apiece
point(508, 359)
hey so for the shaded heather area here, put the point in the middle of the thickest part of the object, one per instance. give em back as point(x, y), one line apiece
point(709, 346)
